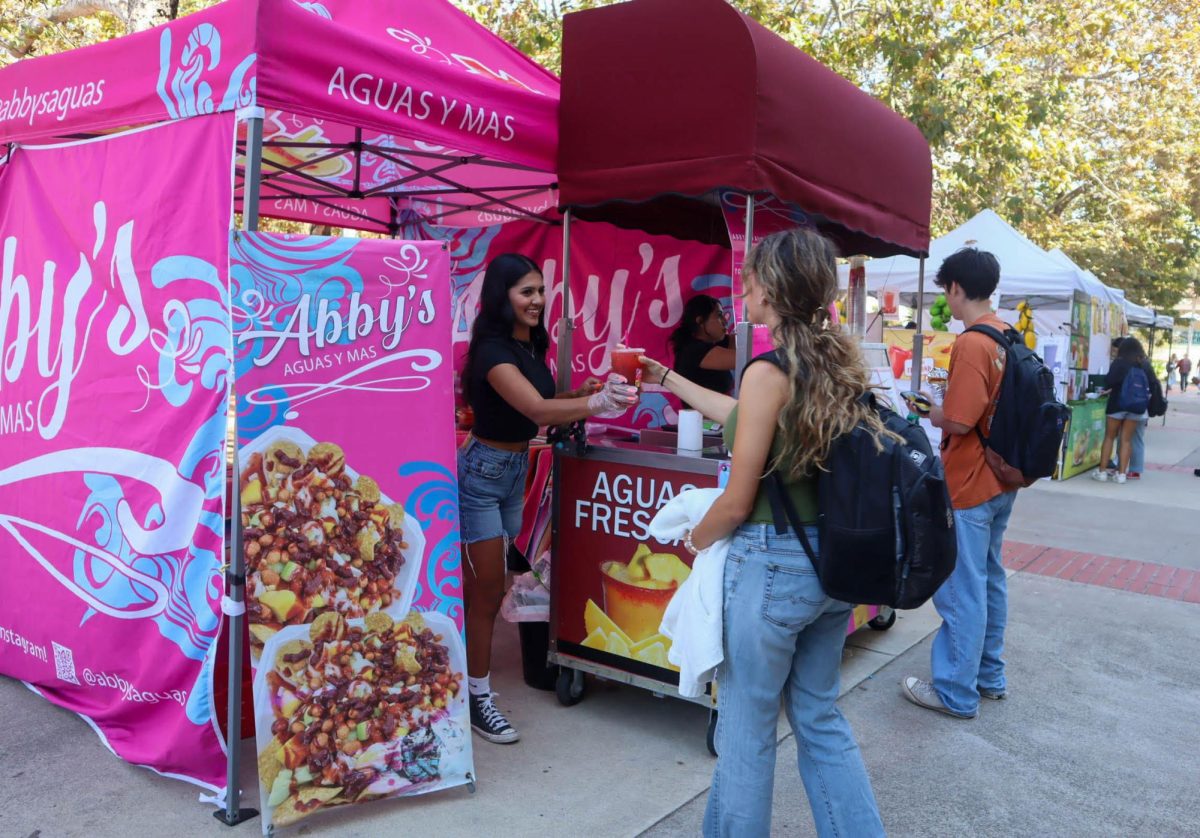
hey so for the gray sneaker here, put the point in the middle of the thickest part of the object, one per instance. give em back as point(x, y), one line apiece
point(922, 694)
point(994, 695)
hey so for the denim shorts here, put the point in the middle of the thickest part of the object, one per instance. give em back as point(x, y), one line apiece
point(491, 491)
point(1125, 414)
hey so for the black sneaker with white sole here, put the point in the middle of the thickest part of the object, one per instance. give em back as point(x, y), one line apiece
point(489, 722)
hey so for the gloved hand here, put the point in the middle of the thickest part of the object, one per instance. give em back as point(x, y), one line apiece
point(614, 399)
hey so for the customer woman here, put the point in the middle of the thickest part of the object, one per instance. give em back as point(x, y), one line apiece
point(783, 636)
point(1123, 418)
point(511, 391)
point(701, 347)
point(1172, 363)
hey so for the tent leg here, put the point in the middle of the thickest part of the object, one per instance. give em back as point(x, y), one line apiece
point(235, 577)
point(565, 324)
point(744, 333)
point(918, 350)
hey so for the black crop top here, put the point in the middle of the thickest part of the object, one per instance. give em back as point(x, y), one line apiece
point(495, 418)
point(691, 355)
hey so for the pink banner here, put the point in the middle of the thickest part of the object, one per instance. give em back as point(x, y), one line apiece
point(626, 286)
point(424, 70)
point(349, 525)
point(195, 65)
point(115, 345)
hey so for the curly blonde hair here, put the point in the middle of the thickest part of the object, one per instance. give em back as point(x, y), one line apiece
point(797, 272)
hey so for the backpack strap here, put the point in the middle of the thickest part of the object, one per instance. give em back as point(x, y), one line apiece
point(784, 512)
point(771, 357)
point(1006, 344)
point(995, 334)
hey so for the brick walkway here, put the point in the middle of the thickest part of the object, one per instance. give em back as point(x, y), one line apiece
point(1091, 569)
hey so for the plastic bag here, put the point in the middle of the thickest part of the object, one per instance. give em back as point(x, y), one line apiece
point(528, 599)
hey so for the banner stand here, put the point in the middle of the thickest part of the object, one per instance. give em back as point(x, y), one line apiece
point(234, 603)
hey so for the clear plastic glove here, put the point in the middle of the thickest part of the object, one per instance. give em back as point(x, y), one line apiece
point(614, 399)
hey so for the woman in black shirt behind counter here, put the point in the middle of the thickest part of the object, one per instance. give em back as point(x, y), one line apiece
point(701, 345)
point(511, 391)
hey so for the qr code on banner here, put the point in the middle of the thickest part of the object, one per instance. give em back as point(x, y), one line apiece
point(64, 664)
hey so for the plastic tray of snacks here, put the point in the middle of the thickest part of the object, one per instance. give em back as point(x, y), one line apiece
point(404, 583)
point(382, 751)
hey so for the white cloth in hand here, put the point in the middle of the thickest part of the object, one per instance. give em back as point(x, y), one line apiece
point(694, 619)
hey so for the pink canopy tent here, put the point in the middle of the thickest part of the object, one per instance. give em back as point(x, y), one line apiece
point(369, 115)
point(374, 114)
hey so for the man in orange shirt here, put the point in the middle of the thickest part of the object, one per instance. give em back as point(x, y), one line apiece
point(973, 602)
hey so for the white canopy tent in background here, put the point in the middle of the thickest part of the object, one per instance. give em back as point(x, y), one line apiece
point(1026, 271)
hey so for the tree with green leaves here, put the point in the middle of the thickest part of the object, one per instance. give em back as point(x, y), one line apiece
point(1077, 120)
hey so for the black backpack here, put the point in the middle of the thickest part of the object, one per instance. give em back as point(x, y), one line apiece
point(1158, 402)
point(885, 524)
point(1029, 421)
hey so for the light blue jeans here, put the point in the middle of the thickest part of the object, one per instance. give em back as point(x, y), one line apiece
point(783, 644)
point(973, 605)
point(1137, 448)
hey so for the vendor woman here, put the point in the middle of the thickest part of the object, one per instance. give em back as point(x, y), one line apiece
point(511, 391)
point(702, 347)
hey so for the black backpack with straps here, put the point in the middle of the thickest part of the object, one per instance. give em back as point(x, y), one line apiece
point(1026, 435)
point(885, 524)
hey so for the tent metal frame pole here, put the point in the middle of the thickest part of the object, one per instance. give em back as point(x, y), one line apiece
point(234, 602)
point(918, 350)
point(565, 324)
point(744, 334)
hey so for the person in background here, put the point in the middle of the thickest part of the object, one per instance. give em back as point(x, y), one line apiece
point(1123, 419)
point(1185, 372)
point(1137, 447)
point(511, 391)
point(973, 603)
point(1172, 363)
point(783, 636)
point(701, 345)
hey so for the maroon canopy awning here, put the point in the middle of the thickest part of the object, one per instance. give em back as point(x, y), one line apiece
point(665, 101)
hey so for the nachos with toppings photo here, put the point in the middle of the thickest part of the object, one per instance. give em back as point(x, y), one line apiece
point(359, 709)
point(318, 539)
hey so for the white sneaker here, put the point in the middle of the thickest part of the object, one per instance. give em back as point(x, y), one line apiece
point(1119, 477)
point(923, 694)
point(1100, 475)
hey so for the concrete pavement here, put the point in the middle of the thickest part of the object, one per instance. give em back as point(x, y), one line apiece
point(1098, 737)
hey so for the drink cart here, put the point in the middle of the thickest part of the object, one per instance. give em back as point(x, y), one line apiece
point(643, 146)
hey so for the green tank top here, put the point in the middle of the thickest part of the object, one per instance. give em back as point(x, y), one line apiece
point(803, 492)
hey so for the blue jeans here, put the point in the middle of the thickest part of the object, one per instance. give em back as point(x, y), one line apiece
point(973, 605)
point(1137, 448)
point(783, 644)
point(491, 491)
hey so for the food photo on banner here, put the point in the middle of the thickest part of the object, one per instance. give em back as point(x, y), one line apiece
point(115, 327)
point(614, 579)
point(349, 519)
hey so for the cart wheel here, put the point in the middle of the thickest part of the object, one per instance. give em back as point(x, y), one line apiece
point(569, 687)
point(884, 620)
point(711, 738)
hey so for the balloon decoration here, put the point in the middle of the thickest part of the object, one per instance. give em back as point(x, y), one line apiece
point(939, 314)
point(1025, 324)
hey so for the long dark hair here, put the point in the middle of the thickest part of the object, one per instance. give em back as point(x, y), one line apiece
point(1131, 350)
point(698, 309)
point(496, 317)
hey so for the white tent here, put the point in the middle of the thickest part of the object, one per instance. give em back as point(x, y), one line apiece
point(1092, 284)
point(1026, 271)
point(1140, 315)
